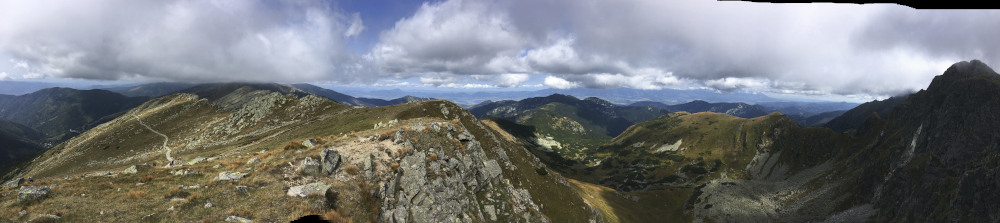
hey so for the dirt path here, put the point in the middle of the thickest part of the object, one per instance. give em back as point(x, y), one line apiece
point(165, 138)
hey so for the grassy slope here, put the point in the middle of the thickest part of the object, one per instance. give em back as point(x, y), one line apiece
point(181, 118)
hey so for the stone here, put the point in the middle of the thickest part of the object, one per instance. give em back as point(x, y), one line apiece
point(183, 172)
point(208, 204)
point(135, 169)
point(237, 219)
point(317, 188)
point(253, 161)
point(196, 186)
point(196, 160)
point(45, 218)
point(243, 189)
point(14, 183)
point(492, 169)
point(217, 166)
point(329, 159)
point(491, 212)
point(309, 143)
point(369, 167)
point(229, 175)
point(32, 193)
point(309, 167)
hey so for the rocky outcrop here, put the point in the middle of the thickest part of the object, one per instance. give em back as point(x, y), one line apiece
point(433, 186)
point(27, 193)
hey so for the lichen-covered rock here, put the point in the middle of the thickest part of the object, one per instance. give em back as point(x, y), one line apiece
point(238, 219)
point(32, 193)
point(183, 172)
point(317, 188)
point(229, 175)
point(253, 161)
point(329, 159)
point(135, 169)
point(309, 143)
point(45, 218)
point(309, 167)
point(491, 169)
point(13, 183)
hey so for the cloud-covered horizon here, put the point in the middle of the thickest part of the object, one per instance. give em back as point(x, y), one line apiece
point(727, 46)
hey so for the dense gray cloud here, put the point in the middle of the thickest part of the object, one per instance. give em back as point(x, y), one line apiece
point(785, 48)
point(181, 40)
point(727, 46)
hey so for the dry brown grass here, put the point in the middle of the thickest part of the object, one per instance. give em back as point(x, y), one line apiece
point(105, 185)
point(293, 146)
point(136, 194)
point(146, 178)
point(352, 169)
point(335, 216)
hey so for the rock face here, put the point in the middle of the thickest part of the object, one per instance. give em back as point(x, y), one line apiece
point(317, 188)
point(32, 193)
point(309, 167)
point(329, 159)
point(433, 186)
point(228, 175)
point(13, 183)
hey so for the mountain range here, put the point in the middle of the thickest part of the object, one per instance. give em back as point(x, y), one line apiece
point(272, 152)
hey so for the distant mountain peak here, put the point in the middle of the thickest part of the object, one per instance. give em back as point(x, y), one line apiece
point(960, 71)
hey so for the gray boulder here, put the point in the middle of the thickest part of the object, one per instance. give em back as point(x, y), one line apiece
point(13, 183)
point(183, 172)
point(45, 218)
point(492, 169)
point(229, 175)
point(317, 188)
point(238, 219)
point(309, 143)
point(309, 167)
point(32, 193)
point(253, 161)
point(329, 159)
point(135, 169)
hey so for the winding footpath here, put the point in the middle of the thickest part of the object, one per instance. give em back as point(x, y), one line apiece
point(165, 138)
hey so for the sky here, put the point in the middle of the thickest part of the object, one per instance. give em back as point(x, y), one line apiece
point(823, 50)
